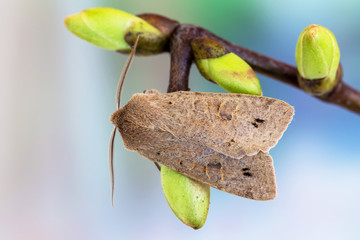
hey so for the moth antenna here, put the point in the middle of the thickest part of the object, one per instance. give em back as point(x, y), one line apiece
point(113, 133)
point(124, 73)
point(111, 163)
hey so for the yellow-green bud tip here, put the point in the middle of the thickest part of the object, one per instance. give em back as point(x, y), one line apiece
point(225, 68)
point(317, 58)
point(114, 29)
point(187, 198)
point(103, 27)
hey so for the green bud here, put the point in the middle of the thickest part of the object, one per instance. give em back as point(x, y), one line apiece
point(187, 198)
point(115, 30)
point(317, 59)
point(225, 68)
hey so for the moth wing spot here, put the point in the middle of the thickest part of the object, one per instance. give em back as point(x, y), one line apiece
point(218, 107)
point(214, 171)
point(226, 117)
point(257, 121)
point(215, 165)
point(180, 161)
point(200, 105)
point(246, 172)
point(225, 110)
point(231, 142)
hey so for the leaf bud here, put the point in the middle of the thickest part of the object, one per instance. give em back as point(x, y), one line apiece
point(187, 198)
point(225, 68)
point(114, 29)
point(317, 59)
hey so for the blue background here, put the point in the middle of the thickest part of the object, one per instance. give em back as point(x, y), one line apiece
point(57, 93)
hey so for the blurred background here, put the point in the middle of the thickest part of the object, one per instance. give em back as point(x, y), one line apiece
point(57, 93)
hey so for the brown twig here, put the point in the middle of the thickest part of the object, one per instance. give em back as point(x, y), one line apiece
point(182, 57)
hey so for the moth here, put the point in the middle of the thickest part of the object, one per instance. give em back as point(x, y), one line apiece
point(220, 139)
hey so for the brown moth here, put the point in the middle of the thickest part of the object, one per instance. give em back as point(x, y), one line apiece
point(220, 139)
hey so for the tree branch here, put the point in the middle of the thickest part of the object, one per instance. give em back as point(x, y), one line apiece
point(181, 59)
point(181, 56)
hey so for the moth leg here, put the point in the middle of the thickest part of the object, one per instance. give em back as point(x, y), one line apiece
point(157, 166)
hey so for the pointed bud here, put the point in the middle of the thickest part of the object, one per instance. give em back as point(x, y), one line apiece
point(187, 198)
point(317, 59)
point(225, 68)
point(116, 30)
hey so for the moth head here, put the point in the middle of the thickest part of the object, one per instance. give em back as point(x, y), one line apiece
point(115, 118)
point(151, 92)
point(118, 96)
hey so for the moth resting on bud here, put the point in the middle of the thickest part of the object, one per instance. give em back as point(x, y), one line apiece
point(225, 68)
point(113, 29)
point(317, 59)
point(218, 139)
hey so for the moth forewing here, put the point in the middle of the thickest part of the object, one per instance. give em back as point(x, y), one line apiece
point(234, 124)
point(194, 134)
